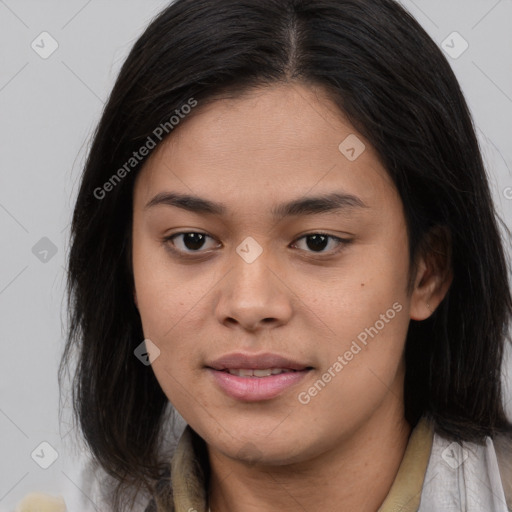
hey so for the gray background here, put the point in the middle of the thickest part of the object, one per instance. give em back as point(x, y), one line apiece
point(49, 108)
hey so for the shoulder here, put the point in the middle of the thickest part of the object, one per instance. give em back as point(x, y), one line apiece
point(469, 475)
point(503, 449)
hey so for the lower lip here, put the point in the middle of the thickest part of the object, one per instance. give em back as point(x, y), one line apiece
point(253, 389)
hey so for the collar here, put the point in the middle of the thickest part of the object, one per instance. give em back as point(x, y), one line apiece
point(188, 482)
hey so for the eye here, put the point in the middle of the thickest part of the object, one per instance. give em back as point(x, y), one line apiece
point(317, 242)
point(190, 243)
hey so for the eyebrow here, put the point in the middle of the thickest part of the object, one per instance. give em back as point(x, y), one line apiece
point(327, 203)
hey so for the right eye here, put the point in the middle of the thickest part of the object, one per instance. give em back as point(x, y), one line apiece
point(190, 242)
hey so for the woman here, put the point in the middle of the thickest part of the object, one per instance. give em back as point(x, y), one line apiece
point(284, 229)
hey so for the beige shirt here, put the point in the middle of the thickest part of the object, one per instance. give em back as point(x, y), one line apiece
point(466, 487)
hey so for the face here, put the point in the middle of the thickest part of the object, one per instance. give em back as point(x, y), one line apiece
point(259, 276)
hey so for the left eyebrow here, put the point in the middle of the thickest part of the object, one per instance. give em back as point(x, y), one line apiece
point(327, 203)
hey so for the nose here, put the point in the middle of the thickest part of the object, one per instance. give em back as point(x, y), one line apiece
point(254, 295)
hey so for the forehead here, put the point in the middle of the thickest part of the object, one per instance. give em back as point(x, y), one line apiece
point(275, 142)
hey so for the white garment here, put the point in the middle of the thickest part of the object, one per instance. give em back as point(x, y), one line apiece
point(463, 478)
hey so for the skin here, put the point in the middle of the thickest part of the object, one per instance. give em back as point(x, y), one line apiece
point(252, 153)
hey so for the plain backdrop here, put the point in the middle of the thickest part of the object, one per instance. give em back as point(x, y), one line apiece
point(48, 110)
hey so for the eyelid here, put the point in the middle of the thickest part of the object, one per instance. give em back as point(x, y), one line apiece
point(341, 241)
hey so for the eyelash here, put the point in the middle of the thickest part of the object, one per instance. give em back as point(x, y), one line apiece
point(168, 241)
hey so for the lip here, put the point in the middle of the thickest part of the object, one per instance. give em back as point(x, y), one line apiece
point(237, 360)
point(254, 389)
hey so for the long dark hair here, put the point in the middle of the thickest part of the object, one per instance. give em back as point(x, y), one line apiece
point(398, 90)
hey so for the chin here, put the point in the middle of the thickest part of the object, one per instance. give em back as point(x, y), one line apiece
point(261, 450)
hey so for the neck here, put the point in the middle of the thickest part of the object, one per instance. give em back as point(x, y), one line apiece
point(355, 473)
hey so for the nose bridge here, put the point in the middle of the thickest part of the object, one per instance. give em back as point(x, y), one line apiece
point(252, 292)
point(252, 278)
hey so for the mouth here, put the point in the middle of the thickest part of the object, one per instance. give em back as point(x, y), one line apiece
point(248, 372)
point(253, 378)
point(237, 384)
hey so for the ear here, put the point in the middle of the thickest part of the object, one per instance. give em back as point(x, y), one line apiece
point(434, 273)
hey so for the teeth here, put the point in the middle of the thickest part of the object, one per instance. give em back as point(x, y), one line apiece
point(257, 373)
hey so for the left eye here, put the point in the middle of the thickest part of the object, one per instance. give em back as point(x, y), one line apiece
point(193, 241)
point(318, 241)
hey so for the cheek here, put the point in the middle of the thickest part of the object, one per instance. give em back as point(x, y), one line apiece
point(362, 367)
point(172, 302)
point(169, 303)
point(168, 295)
point(368, 284)
point(366, 308)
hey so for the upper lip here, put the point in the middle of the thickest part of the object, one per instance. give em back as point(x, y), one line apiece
point(239, 360)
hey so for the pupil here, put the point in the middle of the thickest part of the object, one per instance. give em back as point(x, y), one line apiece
point(319, 242)
point(193, 240)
